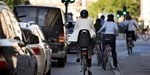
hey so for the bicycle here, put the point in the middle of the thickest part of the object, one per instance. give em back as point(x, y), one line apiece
point(106, 53)
point(129, 44)
point(84, 41)
point(98, 47)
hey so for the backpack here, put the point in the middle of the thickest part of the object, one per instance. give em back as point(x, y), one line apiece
point(97, 25)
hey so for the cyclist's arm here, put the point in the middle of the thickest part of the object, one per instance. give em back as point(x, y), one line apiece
point(102, 28)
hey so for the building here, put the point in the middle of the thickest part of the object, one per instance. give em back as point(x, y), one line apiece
point(72, 7)
point(145, 12)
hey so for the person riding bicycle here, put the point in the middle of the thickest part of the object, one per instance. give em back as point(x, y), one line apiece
point(84, 22)
point(111, 30)
point(145, 29)
point(132, 26)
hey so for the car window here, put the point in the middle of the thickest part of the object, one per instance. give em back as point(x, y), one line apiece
point(2, 35)
point(15, 25)
point(7, 25)
point(43, 16)
point(30, 38)
point(29, 14)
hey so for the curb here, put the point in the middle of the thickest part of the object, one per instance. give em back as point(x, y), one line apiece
point(118, 71)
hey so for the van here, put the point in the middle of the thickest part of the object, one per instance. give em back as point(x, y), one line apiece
point(52, 22)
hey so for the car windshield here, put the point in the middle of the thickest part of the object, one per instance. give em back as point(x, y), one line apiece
point(41, 15)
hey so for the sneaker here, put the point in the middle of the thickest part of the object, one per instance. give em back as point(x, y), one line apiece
point(78, 60)
point(89, 73)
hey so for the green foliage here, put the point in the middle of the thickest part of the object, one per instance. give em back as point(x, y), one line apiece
point(12, 3)
point(111, 6)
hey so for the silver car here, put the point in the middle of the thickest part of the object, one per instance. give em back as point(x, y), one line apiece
point(41, 49)
point(15, 58)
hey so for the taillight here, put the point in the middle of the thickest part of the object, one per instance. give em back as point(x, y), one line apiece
point(61, 37)
point(3, 63)
point(36, 50)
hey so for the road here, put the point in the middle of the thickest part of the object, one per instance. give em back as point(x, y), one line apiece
point(73, 68)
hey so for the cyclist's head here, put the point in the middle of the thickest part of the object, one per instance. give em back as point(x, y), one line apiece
point(110, 17)
point(84, 13)
point(102, 17)
point(128, 17)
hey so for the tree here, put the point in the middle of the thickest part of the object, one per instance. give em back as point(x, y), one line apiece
point(111, 6)
point(12, 3)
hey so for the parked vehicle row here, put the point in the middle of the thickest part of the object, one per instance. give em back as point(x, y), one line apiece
point(15, 57)
point(23, 47)
point(52, 23)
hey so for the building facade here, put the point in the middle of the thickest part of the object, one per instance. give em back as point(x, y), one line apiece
point(74, 8)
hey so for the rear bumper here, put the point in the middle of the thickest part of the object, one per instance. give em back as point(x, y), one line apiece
point(58, 50)
point(59, 54)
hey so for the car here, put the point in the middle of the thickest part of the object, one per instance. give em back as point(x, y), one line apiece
point(15, 57)
point(72, 46)
point(53, 24)
point(41, 49)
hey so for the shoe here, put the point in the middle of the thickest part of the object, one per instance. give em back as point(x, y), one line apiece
point(89, 73)
point(78, 60)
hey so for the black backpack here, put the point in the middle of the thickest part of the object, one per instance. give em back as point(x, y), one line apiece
point(84, 38)
point(97, 25)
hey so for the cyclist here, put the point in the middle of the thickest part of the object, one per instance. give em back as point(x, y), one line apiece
point(111, 30)
point(132, 26)
point(83, 23)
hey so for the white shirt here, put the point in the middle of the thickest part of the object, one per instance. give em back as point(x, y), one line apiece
point(82, 24)
point(109, 27)
point(132, 24)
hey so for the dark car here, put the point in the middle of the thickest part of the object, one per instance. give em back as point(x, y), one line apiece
point(52, 22)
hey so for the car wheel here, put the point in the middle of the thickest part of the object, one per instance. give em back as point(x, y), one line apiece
point(35, 70)
point(49, 72)
point(61, 62)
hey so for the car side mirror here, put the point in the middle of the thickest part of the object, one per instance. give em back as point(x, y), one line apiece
point(21, 44)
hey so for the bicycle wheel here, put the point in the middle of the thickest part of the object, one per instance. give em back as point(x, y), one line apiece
point(104, 63)
point(105, 59)
point(129, 47)
point(84, 63)
point(99, 57)
point(145, 37)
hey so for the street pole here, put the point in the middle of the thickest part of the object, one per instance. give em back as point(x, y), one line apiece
point(66, 10)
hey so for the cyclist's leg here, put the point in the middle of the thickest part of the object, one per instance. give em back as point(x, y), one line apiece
point(78, 54)
point(133, 37)
point(113, 50)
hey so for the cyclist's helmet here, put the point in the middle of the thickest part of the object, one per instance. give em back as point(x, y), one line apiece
point(84, 13)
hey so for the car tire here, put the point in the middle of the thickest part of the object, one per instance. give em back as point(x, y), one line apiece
point(61, 62)
point(49, 72)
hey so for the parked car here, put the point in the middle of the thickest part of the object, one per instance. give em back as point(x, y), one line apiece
point(52, 22)
point(72, 46)
point(15, 58)
point(40, 49)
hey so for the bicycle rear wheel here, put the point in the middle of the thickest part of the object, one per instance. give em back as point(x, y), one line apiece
point(84, 63)
point(145, 37)
point(99, 57)
point(104, 63)
point(130, 47)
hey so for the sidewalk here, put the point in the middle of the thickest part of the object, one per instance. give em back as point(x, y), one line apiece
point(136, 64)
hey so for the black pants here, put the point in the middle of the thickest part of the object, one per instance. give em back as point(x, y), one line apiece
point(113, 46)
point(132, 33)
